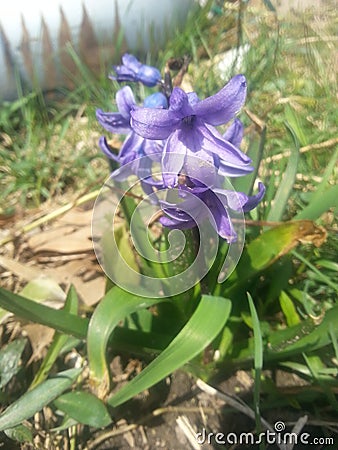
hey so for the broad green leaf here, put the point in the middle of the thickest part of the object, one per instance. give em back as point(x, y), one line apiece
point(85, 408)
point(286, 185)
point(20, 433)
point(324, 197)
point(59, 340)
point(36, 399)
point(114, 307)
point(42, 289)
point(10, 357)
point(267, 248)
point(204, 325)
point(289, 310)
point(35, 312)
point(319, 204)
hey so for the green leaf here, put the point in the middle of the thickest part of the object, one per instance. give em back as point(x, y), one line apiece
point(10, 357)
point(204, 325)
point(258, 342)
point(85, 408)
point(286, 185)
point(36, 399)
point(114, 307)
point(35, 312)
point(306, 336)
point(59, 341)
point(20, 433)
point(319, 203)
point(42, 289)
point(321, 276)
point(67, 422)
point(258, 359)
point(265, 250)
point(303, 337)
point(116, 256)
point(294, 123)
point(324, 197)
point(289, 310)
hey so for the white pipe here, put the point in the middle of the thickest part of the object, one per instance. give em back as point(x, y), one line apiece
point(35, 35)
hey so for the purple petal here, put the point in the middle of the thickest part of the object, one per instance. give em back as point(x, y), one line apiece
point(193, 98)
point(184, 214)
point(131, 62)
point(113, 122)
point(179, 103)
point(224, 226)
point(153, 149)
point(131, 148)
point(238, 201)
point(173, 159)
point(253, 201)
point(228, 170)
point(125, 101)
point(153, 123)
point(174, 223)
point(149, 75)
point(106, 149)
point(200, 167)
point(234, 133)
point(232, 162)
point(222, 107)
point(218, 209)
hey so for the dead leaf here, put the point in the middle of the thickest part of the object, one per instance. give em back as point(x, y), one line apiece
point(40, 337)
point(309, 232)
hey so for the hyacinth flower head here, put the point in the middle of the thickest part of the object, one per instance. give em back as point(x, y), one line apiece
point(133, 70)
point(135, 150)
point(188, 126)
point(183, 137)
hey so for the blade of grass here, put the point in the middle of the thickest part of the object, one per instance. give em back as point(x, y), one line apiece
point(286, 185)
point(323, 277)
point(325, 195)
point(258, 361)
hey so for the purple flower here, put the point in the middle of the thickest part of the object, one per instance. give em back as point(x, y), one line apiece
point(188, 125)
point(213, 204)
point(134, 147)
point(198, 200)
point(132, 70)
